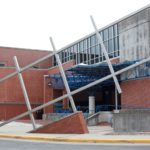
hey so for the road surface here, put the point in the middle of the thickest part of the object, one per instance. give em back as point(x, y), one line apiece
point(6, 144)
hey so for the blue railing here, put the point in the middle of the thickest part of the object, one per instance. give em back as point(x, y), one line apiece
point(85, 109)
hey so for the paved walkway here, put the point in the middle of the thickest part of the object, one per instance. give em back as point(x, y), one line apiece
point(97, 134)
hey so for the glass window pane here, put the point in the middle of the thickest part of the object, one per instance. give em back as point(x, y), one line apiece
point(78, 48)
point(85, 44)
point(65, 56)
point(106, 45)
point(89, 56)
point(105, 34)
point(116, 44)
point(97, 51)
point(92, 54)
point(93, 50)
point(100, 49)
point(75, 48)
point(71, 52)
point(89, 43)
point(111, 46)
point(81, 46)
point(111, 32)
point(115, 30)
point(68, 52)
point(65, 52)
point(93, 40)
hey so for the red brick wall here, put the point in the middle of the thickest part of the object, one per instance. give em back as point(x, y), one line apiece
point(136, 93)
point(10, 90)
point(24, 56)
point(48, 97)
point(8, 111)
point(11, 96)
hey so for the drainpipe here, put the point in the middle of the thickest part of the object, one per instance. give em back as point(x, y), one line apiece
point(116, 101)
point(44, 84)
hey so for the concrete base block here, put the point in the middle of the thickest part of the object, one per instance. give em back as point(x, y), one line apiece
point(72, 124)
point(132, 121)
point(116, 111)
point(100, 117)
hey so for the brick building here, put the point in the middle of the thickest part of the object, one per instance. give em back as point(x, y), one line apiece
point(11, 97)
point(127, 41)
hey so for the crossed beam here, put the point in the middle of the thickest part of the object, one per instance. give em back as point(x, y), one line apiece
point(69, 93)
point(76, 91)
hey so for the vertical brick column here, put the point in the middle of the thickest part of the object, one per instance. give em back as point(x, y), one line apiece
point(48, 95)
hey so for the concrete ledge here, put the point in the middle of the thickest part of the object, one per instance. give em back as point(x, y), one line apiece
point(77, 140)
point(132, 120)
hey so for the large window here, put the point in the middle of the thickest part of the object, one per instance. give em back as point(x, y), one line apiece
point(89, 51)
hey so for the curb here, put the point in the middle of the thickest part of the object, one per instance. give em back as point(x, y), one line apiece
point(77, 140)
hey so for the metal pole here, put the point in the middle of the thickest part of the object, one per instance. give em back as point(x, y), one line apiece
point(75, 91)
point(63, 76)
point(24, 92)
point(106, 55)
point(116, 99)
point(91, 105)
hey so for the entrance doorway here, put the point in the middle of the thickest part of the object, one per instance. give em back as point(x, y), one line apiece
point(104, 99)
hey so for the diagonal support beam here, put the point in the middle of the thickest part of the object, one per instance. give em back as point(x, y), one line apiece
point(106, 56)
point(24, 91)
point(63, 76)
point(75, 91)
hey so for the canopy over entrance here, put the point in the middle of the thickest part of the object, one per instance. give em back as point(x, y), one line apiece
point(82, 74)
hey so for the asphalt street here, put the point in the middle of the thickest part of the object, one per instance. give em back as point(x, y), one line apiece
point(6, 144)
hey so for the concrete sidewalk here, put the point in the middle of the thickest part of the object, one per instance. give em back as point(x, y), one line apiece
point(98, 134)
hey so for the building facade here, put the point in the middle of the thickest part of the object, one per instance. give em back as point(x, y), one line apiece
point(127, 41)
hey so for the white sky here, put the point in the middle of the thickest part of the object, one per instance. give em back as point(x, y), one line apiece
point(30, 23)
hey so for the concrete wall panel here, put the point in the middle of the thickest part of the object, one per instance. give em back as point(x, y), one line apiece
point(132, 121)
point(134, 36)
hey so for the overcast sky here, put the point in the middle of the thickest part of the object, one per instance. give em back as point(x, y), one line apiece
point(30, 23)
